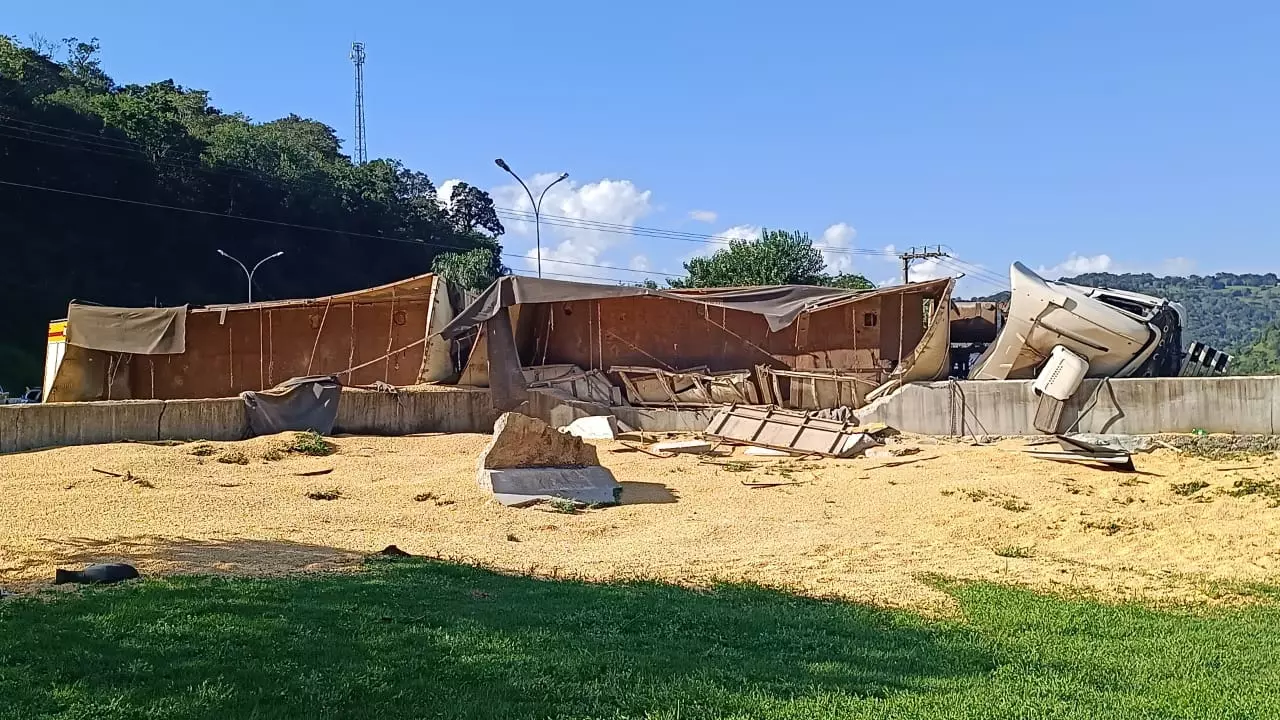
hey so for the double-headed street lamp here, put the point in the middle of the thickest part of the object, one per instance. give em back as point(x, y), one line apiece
point(537, 204)
point(247, 272)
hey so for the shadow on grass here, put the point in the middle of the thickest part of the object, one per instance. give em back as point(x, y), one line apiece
point(176, 554)
point(418, 638)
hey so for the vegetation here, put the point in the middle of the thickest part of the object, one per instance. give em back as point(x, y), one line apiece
point(1016, 551)
point(412, 639)
point(124, 193)
point(1263, 356)
point(1188, 488)
point(777, 257)
point(311, 443)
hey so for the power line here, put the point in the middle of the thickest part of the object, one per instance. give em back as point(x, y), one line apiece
point(508, 213)
point(913, 254)
point(315, 227)
point(581, 223)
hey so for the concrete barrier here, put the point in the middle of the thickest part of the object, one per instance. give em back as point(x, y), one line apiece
point(26, 427)
point(29, 427)
point(1139, 406)
point(1134, 406)
point(454, 410)
point(216, 419)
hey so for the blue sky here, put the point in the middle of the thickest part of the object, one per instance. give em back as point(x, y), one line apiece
point(1130, 136)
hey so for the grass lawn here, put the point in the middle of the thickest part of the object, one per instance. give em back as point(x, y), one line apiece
point(420, 639)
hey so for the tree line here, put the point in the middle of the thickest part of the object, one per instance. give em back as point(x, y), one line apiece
point(123, 194)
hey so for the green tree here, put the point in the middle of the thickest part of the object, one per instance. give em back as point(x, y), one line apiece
point(777, 257)
point(1261, 358)
point(850, 281)
point(471, 209)
point(473, 269)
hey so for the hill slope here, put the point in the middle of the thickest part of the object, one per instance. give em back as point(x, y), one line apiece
point(1226, 310)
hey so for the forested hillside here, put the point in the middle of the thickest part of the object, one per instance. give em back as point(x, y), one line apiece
point(123, 195)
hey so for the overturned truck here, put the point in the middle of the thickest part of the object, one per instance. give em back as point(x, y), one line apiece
point(794, 346)
point(1059, 334)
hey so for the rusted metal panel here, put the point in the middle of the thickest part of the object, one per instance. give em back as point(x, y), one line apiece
point(694, 387)
point(974, 322)
point(779, 429)
point(815, 390)
point(660, 332)
point(590, 385)
point(378, 334)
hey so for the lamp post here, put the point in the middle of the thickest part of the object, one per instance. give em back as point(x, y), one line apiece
point(247, 272)
point(537, 205)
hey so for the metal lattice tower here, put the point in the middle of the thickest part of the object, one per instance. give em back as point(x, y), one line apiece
point(357, 57)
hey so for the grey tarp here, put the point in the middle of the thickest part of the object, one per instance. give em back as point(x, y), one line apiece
point(141, 331)
point(305, 403)
point(780, 305)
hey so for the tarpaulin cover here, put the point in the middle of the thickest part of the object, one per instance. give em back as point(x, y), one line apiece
point(141, 331)
point(780, 305)
point(305, 403)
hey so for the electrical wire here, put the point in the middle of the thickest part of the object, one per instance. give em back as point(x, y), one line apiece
point(129, 149)
point(317, 228)
point(96, 145)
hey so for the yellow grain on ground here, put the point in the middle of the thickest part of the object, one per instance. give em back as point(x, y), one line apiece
point(863, 529)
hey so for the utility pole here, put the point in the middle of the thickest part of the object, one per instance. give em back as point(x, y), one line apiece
point(357, 57)
point(922, 254)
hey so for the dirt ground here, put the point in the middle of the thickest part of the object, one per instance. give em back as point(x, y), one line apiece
point(870, 529)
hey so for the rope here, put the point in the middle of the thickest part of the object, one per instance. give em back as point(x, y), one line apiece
point(415, 343)
point(319, 330)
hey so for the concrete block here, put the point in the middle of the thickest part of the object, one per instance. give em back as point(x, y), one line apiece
point(217, 419)
point(595, 427)
point(517, 487)
point(696, 447)
point(520, 441)
point(664, 419)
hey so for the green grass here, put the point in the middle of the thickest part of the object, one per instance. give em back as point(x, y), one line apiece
point(421, 639)
point(311, 443)
point(1188, 488)
point(1016, 551)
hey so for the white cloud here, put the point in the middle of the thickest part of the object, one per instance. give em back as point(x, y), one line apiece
point(1177, 266)
point(741, 232)
point(617, 202)
point(706, 216)
point(930, 269)
point(444, 193)
point(1076, 264)
point(639, 262)
point(839, 237)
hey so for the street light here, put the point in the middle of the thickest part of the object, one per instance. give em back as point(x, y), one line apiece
point(247, 272)
point(537, 205)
